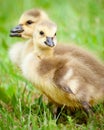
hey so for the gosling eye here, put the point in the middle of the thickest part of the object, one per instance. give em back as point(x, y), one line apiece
point(41, 33)
point(29, 22)
point(55, 34)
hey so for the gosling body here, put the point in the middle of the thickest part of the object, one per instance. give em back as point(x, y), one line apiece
point(65, 79)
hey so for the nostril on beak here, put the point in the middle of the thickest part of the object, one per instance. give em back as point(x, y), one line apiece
point(49, 41)
point(17, 29)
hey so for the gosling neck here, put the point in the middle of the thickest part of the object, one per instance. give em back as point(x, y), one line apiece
point(43, 52)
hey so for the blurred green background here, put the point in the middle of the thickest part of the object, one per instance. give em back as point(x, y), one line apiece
point(79, 21)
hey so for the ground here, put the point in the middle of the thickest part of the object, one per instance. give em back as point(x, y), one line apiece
point(80, 22)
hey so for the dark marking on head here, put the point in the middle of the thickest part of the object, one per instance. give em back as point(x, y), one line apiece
point(34, 13)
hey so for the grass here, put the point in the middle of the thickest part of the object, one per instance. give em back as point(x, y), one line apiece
point(81, 22)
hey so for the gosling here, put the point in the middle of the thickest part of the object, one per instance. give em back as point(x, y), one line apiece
point(28, 21)
point(64, 79)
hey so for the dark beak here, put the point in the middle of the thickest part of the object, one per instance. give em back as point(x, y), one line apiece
point(49, 41)
point(15, 32)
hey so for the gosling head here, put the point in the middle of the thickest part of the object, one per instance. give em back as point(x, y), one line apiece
point(44, 36)
point(27, 23)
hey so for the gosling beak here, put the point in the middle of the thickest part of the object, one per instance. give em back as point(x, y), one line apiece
point(15, 32)
point(49, 42)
